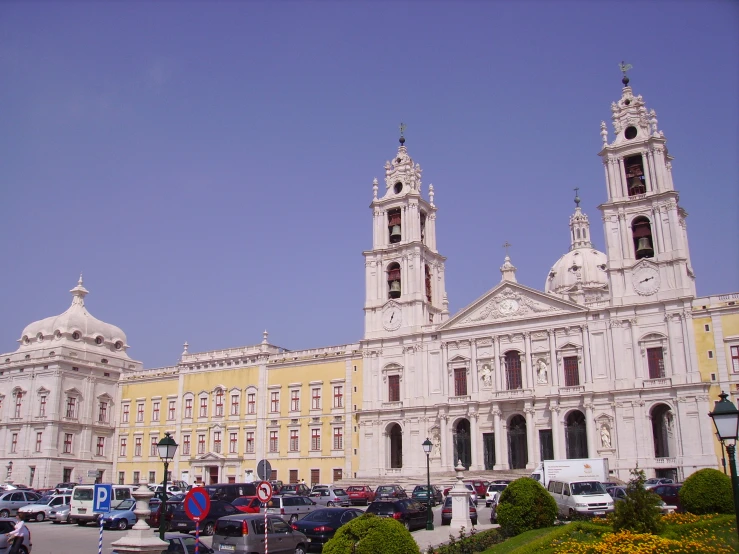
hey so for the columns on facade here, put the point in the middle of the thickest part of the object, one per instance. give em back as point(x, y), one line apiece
point(691, 356)
point(473, 367)
point(586, 353)
point(635, 348)
point(648, 162)
point(497, 357)
point(500, 455)
point(529, 364)
point(445, 440)
point(474, 440)
point(657, 228)
point(625, 250)
point(530, 435)
point(622, 177)
point(674, 363)
point(554, 366)
point(554, 410)
point(590, 427)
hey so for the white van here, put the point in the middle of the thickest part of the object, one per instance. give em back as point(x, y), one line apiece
point(579, 497)
point(82, 502)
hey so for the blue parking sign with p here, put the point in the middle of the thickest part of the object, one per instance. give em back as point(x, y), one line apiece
point(101, 500)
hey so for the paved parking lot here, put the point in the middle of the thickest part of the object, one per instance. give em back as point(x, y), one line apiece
point(49, 538)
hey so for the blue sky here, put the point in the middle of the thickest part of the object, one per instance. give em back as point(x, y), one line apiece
point(209, 166)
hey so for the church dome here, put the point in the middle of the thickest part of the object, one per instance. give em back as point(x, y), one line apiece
point(76, 325)
point(580, 275)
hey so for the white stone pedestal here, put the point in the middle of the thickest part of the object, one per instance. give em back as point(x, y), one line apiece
point(460, 502)
point(141, 537)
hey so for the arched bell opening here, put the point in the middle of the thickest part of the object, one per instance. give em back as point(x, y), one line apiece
point(393, 280)
point(635, 180)
point(641, 231)
point(576, 435)
point(394, 225)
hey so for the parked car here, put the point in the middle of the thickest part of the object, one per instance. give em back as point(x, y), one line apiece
point(291, 507)
point(276, 486)
point(332, 496)
point(470, 488)
point(360, 494)
point(60, 514)
point(493, 492)
point(181, 543)
point(320, 525)
point(218, 508)
point(65, 488)
point(669, 493)
point(247, 504)
point(295, 488)
point(245, 533)
point(409, 512)
point(122, 517)
point(39, 510)
point(6, 526)
point(446, 511)
point(479, 485)
point(155, 506)
point(654, 481)
point(422, 494)
point(390, 491)
point(11, 501)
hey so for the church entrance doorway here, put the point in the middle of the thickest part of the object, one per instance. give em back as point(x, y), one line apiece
point(517, 443)
point(395, 435)
point(576, 435)
point(462, 444)
point(662, 433)
point(488, 445)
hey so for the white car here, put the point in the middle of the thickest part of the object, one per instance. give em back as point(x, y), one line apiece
point(493, 492)
point(473, 493)
point(40, 510)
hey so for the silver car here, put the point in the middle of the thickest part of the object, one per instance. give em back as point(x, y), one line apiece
point(40, 510)
point(291, 507)
point(6, 526)
point(60, 514)
point(331, 496)
point(245, 533)
point(11, 501)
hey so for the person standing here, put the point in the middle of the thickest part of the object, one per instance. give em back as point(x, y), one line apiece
point(19, 532)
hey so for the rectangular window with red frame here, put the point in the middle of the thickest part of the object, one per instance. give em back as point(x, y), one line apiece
point(217, 442)
point(153, 446)
point(122, 449)
point(338, 397)
point(188, 408)
point(101, 446)
point(186, 445)
point(219, 403)
point(137, 446)
point(572, 371)
point(338, 438)
point(201, 444)
point(250, 442)
point(71, 402)
point(42, 406)
point(274, 403)
point(295, 401)
point(274, 445)
point(235, 404)
point(140, 412)
point(294, 440)
point(251, 403)
point(393, 388)
point(126, 412)
point(171, 407)
point(316, 399)
point(14, 443)
point(18, 404)
point(203, 407)
point(315, 439)
point(232, 443)
point(103, 412)
point(656, 363)
point(39, 436)
point(155, 410)
point(460, 381)
point(735, 359)
point(68, 443)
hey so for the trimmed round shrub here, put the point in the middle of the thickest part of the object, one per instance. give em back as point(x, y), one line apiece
point(370, 534)
point(524, 505)
point(707, 491)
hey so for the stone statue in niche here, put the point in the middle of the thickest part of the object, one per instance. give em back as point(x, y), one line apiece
point(605, 436)
point(486, 374)
point(436, 441)
point(541, 372)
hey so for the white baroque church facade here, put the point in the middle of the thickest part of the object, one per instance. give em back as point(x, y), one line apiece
point(602, 363)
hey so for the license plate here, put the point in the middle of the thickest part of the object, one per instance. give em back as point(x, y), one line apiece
point(182, 525)
point(82, 510)
point(599, 513)
point(229, 547)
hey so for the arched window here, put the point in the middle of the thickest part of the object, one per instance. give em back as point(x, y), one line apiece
point(662, 430)
point(518, 455)
point(423, 226)
point(394, 225)
point(395, 437)
point(635, 182)
point(641, 231)
point(513, 370)
point(575, 435)
point(462, 446)
point(393, 280)
point(427, 272)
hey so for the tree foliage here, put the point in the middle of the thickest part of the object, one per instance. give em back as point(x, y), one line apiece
point(640, 510)
point(524, 505)
point(707, 491)
point(370, 534)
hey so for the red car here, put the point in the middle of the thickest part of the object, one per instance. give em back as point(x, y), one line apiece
point(360, 494)
point(247, 504)
point(481, 487)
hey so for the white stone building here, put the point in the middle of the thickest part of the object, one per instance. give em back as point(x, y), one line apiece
point(600, 364)
point(57, 398)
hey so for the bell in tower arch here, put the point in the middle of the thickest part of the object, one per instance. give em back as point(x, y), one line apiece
point(394, 289)
point(395, 234)
point(644, 248)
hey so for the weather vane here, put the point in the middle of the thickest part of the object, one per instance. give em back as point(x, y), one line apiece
point(507, 245)
point(624, 67)
point(402, 128)
point(577, 197)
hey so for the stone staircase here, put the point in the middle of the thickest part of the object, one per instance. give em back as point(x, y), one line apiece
point(441, 479)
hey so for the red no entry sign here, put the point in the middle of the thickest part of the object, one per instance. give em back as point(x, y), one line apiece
point(197, 504)
point(264, 491)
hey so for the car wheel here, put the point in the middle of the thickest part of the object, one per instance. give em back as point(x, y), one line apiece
point(67, 520)
point(300, 549)
point(293, 519)
point(209, 528)
point(330, 504)
point(40, 516)
point(23, 550)
point(122, 524)
point(4, 513)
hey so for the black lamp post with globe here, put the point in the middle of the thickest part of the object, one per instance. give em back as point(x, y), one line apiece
point(427, 445)
point(725, 417)
point(167, 448)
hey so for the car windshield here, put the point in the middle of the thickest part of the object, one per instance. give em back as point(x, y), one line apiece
point(385, 489)
point(355, 489)
point(82, 494)
point(420, 488)
point(652, 481)
point(339, 492)
point(587, 487)
point(332, 516)
point(46, 499)
point(382, 508)
point(496, 488)
point(127, 504)
point(241, 501)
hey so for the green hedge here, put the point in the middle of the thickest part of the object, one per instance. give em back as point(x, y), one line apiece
point(370, 534)
point(524, 505)
point(468, 544)
point(707, 491)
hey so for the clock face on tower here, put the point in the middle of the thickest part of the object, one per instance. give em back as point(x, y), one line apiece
point(646, 280)
point(391, 318)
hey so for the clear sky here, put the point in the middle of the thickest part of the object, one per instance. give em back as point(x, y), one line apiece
point(209, 166)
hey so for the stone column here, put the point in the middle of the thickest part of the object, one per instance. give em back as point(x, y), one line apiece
point(529, 365)
point(444, 430)
point(586, 353)
point(635, 350)
point(473, 441)
point(554, 409)
point(497, 358)
point(498, 438)
point(140, 538)
point(460, 502)
point(590, 428)
point(553, 365)
point(622, 175)
point(530, 437)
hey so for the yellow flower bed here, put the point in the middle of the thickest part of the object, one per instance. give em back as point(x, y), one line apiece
point(699, 541)
point(681, 518)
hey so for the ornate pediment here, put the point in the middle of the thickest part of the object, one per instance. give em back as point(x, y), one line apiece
point(210, 456)
point(509, 302)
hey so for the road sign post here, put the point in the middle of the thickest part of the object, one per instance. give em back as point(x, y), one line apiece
point(264, 494)
point(197, 506)
point(264, 470)
point(101, 504)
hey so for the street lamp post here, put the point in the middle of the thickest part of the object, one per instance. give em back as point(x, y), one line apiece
point(167, 448)
point(427, 445)
point(725, 417)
